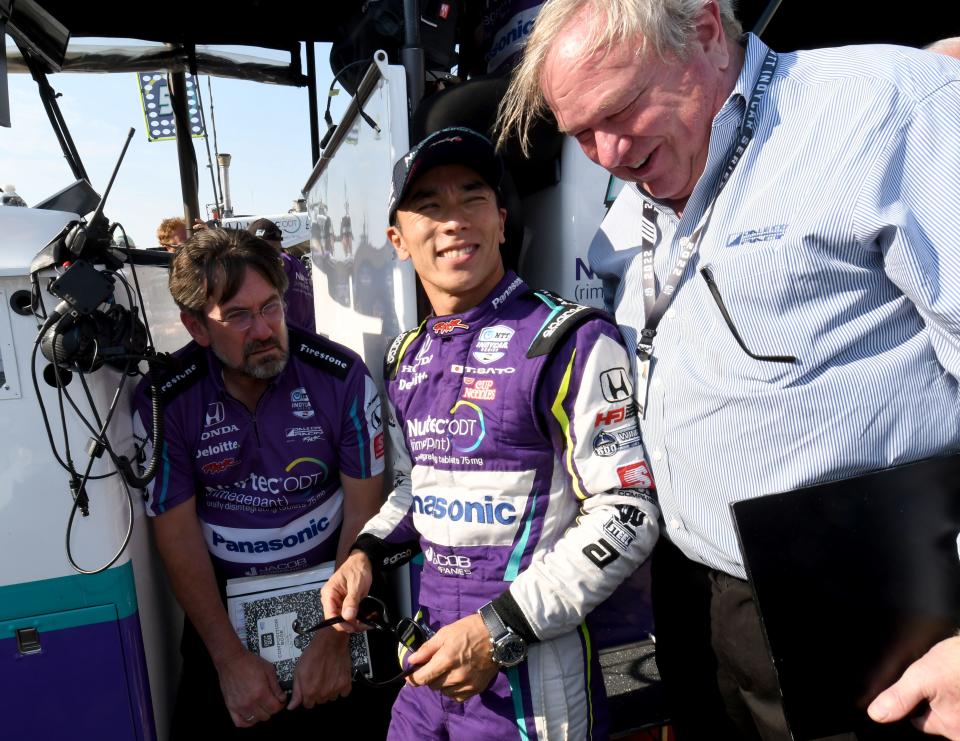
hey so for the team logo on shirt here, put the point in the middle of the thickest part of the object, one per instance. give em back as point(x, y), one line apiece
point(615, 385)
point(300, 403)
point(307, 434)
point(449, 326)
point(214, 414)
point(615, 415)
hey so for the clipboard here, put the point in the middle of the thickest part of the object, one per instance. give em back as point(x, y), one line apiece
point(854, 580)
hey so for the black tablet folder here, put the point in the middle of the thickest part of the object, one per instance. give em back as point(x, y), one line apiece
point(854, 580)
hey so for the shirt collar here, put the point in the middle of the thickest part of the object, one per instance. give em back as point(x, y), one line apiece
point(754, 53)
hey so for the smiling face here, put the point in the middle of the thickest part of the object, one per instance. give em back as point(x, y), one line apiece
point(258, 351)
point(450, 226)
point(644, 118)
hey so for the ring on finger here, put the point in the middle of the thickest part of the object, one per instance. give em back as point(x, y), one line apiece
point(250, 718)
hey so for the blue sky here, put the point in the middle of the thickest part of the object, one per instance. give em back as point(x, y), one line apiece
point(264, 127)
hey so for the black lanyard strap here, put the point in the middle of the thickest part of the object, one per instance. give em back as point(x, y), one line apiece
point(654, 305)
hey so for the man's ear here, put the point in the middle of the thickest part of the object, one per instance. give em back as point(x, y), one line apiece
point(710, 34)
point(196, 327)
point(396, 239)
point(503, 225)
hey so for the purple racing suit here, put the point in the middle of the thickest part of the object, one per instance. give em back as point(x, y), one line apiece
point(299, 294)
point(520, 474)
point(267, 485)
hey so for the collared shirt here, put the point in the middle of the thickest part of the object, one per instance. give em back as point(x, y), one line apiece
point(267, 483)
point(299, 295)
point(835, 241)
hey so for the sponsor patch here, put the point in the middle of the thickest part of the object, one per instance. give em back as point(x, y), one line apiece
point(481, 371)
point(300, 403)
point(217, 431)
point(615, 385)
point(217, 448)
point(307, 434)
point(763, 234)
point(478, 389)
point(609, 442)
point(620, 534)
point(635, 475)
point(378, 445)
point(449, 326)
point(215, 467)
point(491, 343)
point(214, 414)
point(448, 564)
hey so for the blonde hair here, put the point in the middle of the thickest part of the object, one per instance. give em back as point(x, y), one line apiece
point(666, 26)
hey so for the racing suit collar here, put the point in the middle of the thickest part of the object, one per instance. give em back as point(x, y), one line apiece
point(509, 287)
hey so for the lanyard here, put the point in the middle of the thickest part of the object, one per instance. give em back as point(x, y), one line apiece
point(656, 306)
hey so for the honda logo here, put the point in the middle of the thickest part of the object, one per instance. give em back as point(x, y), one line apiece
point(214, 414)
point(615, 384)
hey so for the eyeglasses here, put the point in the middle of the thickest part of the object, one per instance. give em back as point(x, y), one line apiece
point(242, 319)
point(372, 612)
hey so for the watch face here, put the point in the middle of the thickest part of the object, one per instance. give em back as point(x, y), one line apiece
point(510, 651)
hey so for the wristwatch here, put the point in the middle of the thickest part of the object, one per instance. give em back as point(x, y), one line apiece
point(509, 649)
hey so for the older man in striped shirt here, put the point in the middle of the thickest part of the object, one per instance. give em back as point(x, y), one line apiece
point(784, 256)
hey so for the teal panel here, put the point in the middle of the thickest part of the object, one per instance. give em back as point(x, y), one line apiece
point(52, 621)
point(111, 587)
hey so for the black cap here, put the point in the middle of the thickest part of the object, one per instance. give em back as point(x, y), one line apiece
point(266, 229)
point(451, 146)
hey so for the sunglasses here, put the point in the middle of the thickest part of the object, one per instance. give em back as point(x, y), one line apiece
point(372, 612)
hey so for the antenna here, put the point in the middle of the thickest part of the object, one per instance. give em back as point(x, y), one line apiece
point(99, 212)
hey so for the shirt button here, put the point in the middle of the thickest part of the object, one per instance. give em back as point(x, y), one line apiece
point(671, 313)
point(675, 523)
point(656, 455)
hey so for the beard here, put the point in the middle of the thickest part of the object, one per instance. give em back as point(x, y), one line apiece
point(263, 369)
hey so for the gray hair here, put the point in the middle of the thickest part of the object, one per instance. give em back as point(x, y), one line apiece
point(666, 26)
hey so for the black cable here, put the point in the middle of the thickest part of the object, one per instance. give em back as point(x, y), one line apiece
point(331, 127)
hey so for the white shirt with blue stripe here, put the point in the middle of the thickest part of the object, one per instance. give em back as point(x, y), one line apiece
point(837, 241)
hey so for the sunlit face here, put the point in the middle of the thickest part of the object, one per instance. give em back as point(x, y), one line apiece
point(450, 226)
point(645, 119)
point(259, 351)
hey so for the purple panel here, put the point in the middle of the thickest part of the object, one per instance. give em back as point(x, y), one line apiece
point(138, 678)
point(75, 687)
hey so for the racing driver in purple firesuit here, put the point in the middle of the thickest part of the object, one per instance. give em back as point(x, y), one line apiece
point(518, 470)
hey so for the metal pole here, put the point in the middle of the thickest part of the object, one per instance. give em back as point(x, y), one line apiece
point(186, 157)
point(312, 94)
point(761, 25)
point(411, 55)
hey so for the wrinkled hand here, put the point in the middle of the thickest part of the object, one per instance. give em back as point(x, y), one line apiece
point(250, 688)
point(457, 661)
point(343, 591)
point(935, 677)
point(323, 672)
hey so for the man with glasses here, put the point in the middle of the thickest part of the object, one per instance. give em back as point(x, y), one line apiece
point(299, 294)
point(783, 258)
point(518, 471)
point(272, 460)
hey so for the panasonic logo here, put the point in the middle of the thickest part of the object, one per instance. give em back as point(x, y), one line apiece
point(506, 293)
point(276, 544)
point(484, 513)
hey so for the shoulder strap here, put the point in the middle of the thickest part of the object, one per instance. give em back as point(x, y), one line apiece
point(397, 349)
point(563, 317)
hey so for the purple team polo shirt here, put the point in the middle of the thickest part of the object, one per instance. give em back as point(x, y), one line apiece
point(267, 484)
point(299, 295)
